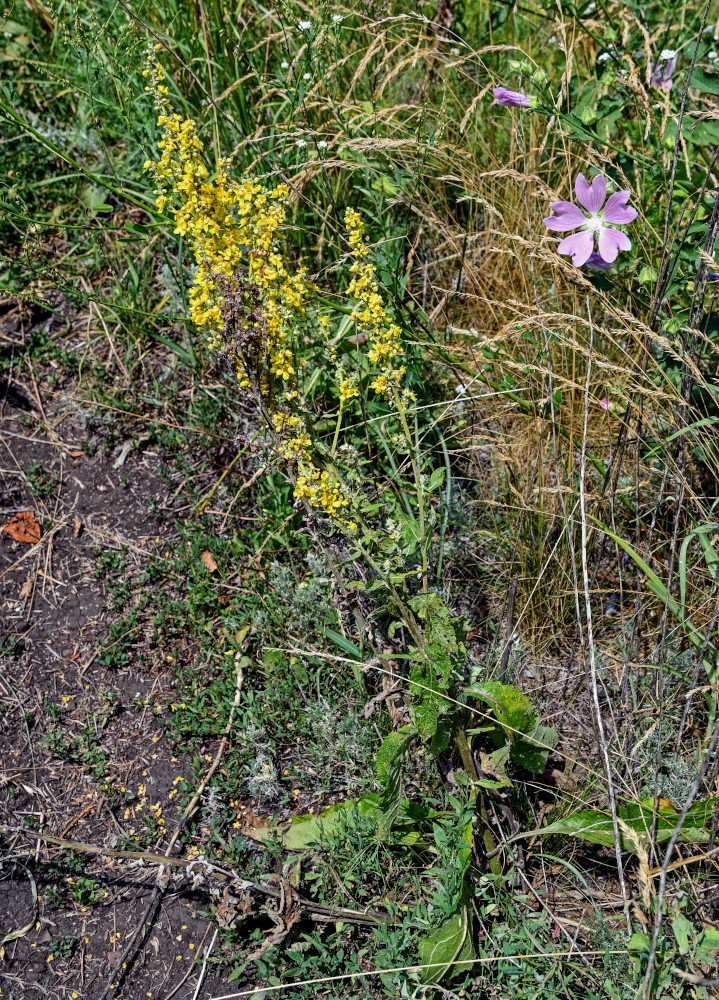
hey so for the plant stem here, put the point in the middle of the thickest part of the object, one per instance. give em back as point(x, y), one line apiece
point(337, 430)
point(418, 484)
point(465, 752)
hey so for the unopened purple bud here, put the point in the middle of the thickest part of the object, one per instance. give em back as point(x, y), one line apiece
point(511, 98)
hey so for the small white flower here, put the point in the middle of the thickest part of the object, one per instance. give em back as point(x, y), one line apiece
point(322, 144)
point(454, 50)
point(667, 54)
point(306, 76)
point(552, 40)
point(591, 8)
point(300, 143)
point(304, 25)
point(461, 390)
point(603, 57)
point(284, 64)
point(337, 18)
point(713, 54)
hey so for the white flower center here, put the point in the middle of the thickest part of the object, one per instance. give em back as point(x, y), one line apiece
point(594, 224)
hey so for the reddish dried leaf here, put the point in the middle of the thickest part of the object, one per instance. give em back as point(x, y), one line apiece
point(26, 589)
point(76, 527)
point(23, 527)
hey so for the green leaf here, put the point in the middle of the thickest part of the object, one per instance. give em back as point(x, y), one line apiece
point(448, 948)
point(531, 752)
point(313, 831)
point(436, 479)
point(444, 635)
point(389, 773)
point(707, 83)
point(514, 711)
point(639, 942)
point(595, 826)
point(682, 930)
point(708, 946)
point(411, 534)
point(343, 643)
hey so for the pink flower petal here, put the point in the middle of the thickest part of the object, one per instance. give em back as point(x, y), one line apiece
point(604, 403)
point(610, 242)
point(591, 196)
point(579, 246)
point(566, 217)
point(617, 211)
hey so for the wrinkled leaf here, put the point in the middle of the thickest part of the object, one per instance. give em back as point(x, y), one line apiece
point(448, 948)
point(23, 527)
point(389, 773)
point(513, 709)
point(431, 672)
point(531, 751)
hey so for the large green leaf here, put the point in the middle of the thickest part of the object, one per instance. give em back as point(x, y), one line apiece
point(514, 711)
point(596, 827)
point(708, 83)
point(531, 751)
point(389, 773)
point(444, 634)
point(312, 831)
point(449, 948)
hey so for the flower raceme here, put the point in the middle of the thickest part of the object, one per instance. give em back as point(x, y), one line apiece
point(594, 219)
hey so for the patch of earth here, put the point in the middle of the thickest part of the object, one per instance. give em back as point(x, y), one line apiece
point(81, 745)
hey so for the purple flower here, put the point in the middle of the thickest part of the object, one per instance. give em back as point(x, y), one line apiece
point(663, 69)
point(597, 220)
point(604, 403)
point(597, 263)
point(511, 98)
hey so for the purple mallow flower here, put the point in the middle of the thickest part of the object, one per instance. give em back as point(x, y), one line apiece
point(663, 70)
point(511, 98)
point(597, 220)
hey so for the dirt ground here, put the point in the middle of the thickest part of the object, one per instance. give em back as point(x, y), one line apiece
point(82, 753)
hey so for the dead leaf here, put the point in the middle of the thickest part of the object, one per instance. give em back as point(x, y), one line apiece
point(209, 561)
point(23, 527)
point(26, 589)
point(76, 527)
point(77, 454)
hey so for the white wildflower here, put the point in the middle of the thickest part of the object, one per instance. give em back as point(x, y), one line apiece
point(304, 25)
point(300, 143)
point(322, 144)
point(667, 54)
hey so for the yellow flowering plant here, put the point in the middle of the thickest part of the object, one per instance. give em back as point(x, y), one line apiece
point(266, 316)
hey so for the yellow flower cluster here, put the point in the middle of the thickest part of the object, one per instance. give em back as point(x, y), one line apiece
point(371, 318)
point(321, 489)
point(228, 224)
